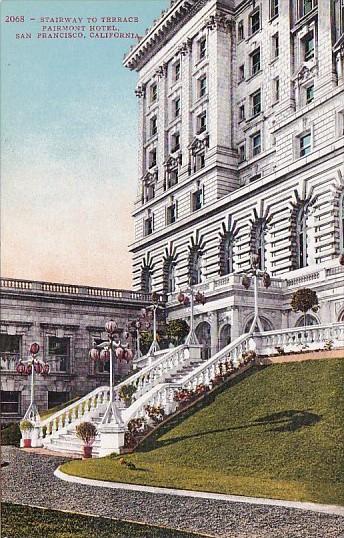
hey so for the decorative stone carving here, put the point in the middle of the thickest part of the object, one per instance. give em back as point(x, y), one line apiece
point(185, 47)
point(219, 21)
point(161, 72)
point(140, 91)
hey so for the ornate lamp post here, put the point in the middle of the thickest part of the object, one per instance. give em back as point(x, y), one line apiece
point(246, 282)
point(29, 367)
point(104, 352)
point(155, 306)
point(189, 298)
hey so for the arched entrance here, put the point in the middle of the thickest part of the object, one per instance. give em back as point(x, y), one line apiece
point(204, 338)
point(307, 320)
point(341, 316)
point(225, 336)
point(267, 325)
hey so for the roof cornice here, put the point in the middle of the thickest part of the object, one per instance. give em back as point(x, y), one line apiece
point(163, 29)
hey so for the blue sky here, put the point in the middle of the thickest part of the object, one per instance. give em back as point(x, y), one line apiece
point(69, 145)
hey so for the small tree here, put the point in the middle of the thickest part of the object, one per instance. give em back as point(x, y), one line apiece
point(87, 432)
point(304, 300)
point(177, 330)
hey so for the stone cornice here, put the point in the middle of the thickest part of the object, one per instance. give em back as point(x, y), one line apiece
point(164, 28)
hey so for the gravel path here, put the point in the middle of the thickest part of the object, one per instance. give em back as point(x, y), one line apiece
point(28, 479)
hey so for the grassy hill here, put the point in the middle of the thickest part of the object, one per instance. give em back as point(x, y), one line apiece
point(277, 432)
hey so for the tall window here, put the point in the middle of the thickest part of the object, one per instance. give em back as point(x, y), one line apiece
point(255, 21)
point(310, 93)
point(171, 213)
point(202, 122)
point(175, 142)
point(241, 72)
point(9, 348)
point(153, 92)
point(171, 278)
point(153, 126)
point(227, 254)
point(301, 237)
point(59, 353)
point(274, 8)
point(275, 46)
point(341, 221)
point(305, 144)
point(306, 6)
point(258, 242)
point(255, 61)
point(197, 199)
point(149, 225)
point(146, 280)
point(256, 104)
point(256, 144)
point(176, 71)
point(242, 153)
point(202, 48)
point(202, 86)
point(241, 34)
point(152, 158)
point(195, 267)
point(276, 89)
point(176, 107)
point(308, 45)
point(241, 112)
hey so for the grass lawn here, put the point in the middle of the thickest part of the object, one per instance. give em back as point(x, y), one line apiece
point(26, 522)
point(277, 432)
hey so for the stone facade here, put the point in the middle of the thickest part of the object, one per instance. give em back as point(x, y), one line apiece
point(65, 320)
point(241, 146)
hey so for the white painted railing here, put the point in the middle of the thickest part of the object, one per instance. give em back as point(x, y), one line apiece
point(74, 413)
point(91, 405)
point(298, 338)
point(205, 373)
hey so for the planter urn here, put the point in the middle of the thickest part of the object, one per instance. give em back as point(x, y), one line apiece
point(87, 451)
point(27, 442)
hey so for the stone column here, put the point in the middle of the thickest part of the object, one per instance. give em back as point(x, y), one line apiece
point(214, 334)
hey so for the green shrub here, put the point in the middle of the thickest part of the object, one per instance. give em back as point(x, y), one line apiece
point(11, 435)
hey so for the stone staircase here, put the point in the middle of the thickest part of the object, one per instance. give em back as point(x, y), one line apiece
point(164, 375)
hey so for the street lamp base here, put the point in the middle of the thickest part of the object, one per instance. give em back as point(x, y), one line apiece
point(191, 339)
point(112, 415)
point(32, 413)
point(153, 348)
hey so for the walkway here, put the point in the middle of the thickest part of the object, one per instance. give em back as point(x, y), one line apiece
point(29, 479)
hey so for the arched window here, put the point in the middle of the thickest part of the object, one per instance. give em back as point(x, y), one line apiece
point(195, 266)
point(146, 280)
point(306, 320)
point(171, 278)
point(301, 237)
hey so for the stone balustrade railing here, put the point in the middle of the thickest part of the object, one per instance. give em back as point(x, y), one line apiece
point(299, 338)
point(74, 413)
point(94, 402)
point(69, 289)
point(163, 393)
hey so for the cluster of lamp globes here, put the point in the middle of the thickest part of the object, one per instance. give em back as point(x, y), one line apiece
point(185, 299)
point(246, 281)
point(121, 351)
point(39, 367)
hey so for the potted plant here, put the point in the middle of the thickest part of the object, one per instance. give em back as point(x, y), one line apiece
point(126, 393)
point(26, 428)
point(86, 431)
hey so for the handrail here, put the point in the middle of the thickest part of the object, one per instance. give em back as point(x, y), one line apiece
point(305, 328)
point(215, 358)
point(70, 407)
point(137, 376)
